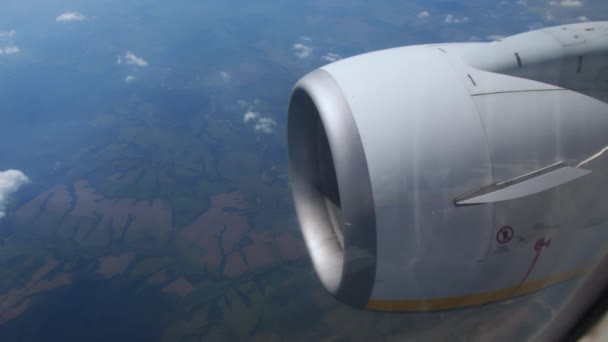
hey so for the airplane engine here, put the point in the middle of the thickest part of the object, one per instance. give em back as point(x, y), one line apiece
point(450, 175)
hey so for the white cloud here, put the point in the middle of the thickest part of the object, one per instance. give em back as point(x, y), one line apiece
point(331, 57)
point(9, 50)
point(450, 19)
point(495, 37)
point(261, 124)
point(250, 115)
point(302, 51)
point(308, 39)
point(567, 3)
point(226, 77)
point(69, 17)
point(582, 19)
point(10, 182)
point(129, 79)
point(423, 15)
point(242, 103)
point(571, 3)
point(7, 38)
point(130, 58)
point(265, 125)
point(8, 35)
point(522, 2)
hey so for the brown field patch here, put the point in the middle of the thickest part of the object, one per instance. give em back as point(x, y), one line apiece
point(259, 254)
point(16, 301)
point(290, 247)
point(179, 286)
point(235, 265)
point(110, 266)
point(217, 227)
point(155, 216)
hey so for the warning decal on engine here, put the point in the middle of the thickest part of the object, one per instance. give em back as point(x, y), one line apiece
point(505, 235)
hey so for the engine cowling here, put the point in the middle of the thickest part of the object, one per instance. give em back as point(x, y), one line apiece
point(429, 177)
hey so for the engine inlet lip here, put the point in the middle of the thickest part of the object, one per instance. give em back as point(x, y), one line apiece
point(346, 270)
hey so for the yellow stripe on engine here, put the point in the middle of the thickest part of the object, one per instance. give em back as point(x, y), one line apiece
point(474, 299)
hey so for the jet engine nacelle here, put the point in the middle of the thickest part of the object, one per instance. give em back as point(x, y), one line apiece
point(449, 175)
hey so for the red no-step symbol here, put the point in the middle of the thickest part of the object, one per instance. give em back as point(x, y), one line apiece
point(505, 234)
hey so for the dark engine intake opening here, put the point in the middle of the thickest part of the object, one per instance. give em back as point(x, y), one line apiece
point(327, 183)
point(331, 188)
point(315, 188)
